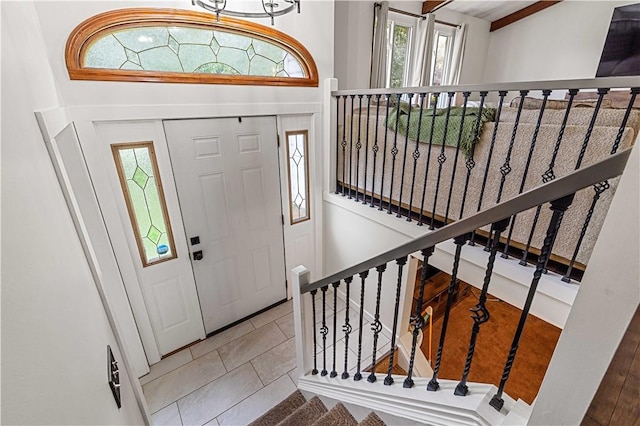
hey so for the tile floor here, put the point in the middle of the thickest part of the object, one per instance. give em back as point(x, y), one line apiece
point(235, 376)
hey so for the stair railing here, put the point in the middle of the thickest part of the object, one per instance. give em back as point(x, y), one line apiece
point(559, 192)
point(390, 153)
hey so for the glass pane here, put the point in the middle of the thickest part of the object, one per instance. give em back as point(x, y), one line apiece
point(190, 50)
point(298, 171)
point(439, 55)
point(399, 56)
point(137, 169)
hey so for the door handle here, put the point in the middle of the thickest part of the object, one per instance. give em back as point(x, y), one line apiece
point(197, 255)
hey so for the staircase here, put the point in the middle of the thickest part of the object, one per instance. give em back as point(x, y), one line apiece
point(295, 410)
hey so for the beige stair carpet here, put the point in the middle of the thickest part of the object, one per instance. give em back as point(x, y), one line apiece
point(281, 411)
point(307, 414)
point(337, 416)
point(372, 420)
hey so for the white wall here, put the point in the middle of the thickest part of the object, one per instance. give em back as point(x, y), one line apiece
point(54, 328)
point(313, 28)
point(353, 33)
point(561, 42)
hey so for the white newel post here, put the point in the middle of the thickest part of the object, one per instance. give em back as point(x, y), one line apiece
point(303, 322)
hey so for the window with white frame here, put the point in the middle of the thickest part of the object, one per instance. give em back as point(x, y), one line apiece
point(442, 54)
point(400, 45)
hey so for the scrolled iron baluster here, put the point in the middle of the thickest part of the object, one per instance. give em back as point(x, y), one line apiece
point(416, 155)
point(324, 331)
point(549, 174)
point(351, 148)
point(558, 207)
point(347, 329)
point(400, 262)
point(459, 241)
point(366, 154)
point(376, 325)
point(375, 149)
point(358, 146)
point(337, 139)
point(442, 158)
point(384, 150)
point(404, 158)
point(344, 144)
point(335, 285)
point(480, 312)
point(435, 97)
point(363, 277)
point(534, 138)
point(455, 159)
point(394, 153)
point(315, 329)
point(417, 321)
point(470, 163)
point(592, 123)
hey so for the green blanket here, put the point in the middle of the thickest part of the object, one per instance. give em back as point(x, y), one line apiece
point(455, 118)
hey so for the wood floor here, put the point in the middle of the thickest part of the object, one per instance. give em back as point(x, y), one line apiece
point(538, 342)
point(617, 401)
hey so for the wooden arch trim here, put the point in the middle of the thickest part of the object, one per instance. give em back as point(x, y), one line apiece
point(96, 26)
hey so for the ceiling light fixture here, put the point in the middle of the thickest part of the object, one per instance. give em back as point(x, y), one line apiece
point(270, 8)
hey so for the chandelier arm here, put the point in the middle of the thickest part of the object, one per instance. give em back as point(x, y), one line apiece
point(238, 14)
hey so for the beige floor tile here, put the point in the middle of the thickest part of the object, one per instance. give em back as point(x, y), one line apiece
point(218, 396)
point(275, 362)
point(213, 422)
point(168, 416)
point(293, 374)
point(258, 403)
point(214, 342)
point(251, 345)
point(169, 388)
point(166, 365)
point(286, 325)
point(272, 314)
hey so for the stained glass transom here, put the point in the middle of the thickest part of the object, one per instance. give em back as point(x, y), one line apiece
point(184, 49)
point(141, 185)
point(297, 148)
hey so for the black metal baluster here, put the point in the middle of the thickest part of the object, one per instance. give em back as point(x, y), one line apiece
point(363, 277)
point(549, 174)
point(335, 285)
point(394, 153)
point(376, 326)
point(592, 123)
point(534, 138)
point(426, 171)
point(558, 207)
point(344, 143)
point(470, 163)
point(384, 149)
point(480, 312)
point(358, 146)
point(375, 152)
point(400, 262)
point(505, 169)
point(347, 329)
point(441, 159)
point(455, 159)
point(501, 94)
point(404, 159)
point(315, 340)
point(416, 155)
point(459, 242)
point(417, 321)
point(599, 188)
point(351, 148)
point(366, 154)
point(324, 330)
point(337, 139)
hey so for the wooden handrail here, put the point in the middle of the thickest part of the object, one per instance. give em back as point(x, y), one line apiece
point(605, 169)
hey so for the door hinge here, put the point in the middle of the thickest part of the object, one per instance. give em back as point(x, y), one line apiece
point(282, 216)
point(278, 141)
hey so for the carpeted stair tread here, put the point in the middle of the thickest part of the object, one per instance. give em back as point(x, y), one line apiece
point(281, 411)
point(372, 420)
point(337, 416)
point(308, 413)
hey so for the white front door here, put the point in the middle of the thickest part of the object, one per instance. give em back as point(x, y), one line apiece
point(227, 178)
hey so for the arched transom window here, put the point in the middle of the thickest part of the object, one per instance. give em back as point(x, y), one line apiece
point(166, 45)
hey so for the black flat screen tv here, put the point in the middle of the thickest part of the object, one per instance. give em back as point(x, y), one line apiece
point(621, 52)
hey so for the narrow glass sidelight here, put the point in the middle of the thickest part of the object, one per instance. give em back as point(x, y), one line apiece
point(298, 172)
point(140, 181)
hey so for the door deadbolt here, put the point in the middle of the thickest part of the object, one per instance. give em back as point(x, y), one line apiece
point(197, 255)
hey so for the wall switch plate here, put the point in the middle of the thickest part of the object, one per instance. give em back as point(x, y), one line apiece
point(195, 240)
point(113, 374)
